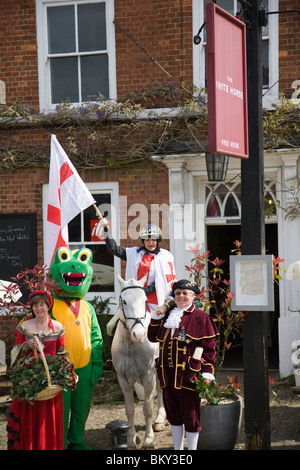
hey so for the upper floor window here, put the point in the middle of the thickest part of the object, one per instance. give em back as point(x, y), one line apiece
point(269, 46)
point(76, 51)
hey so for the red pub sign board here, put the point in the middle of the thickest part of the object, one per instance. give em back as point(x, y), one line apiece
point(226, 83)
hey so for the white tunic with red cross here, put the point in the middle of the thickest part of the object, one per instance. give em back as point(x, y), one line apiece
point(159, 269)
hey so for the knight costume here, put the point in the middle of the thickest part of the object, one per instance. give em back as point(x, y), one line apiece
point(157, 265)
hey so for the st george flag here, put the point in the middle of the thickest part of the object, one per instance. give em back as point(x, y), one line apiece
point(67, 197)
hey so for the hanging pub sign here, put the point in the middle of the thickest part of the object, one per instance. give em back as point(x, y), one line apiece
point(226, 83)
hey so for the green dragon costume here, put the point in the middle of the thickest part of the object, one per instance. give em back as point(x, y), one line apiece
point(72, 272)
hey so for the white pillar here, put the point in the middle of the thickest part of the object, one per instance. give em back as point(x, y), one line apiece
point(289, 250)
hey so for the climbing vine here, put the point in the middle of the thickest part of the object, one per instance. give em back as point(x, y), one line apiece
point(281, 125)
point(164, 119)
point(106, 133)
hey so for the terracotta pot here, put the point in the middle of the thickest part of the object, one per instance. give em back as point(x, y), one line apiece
point(220, 426)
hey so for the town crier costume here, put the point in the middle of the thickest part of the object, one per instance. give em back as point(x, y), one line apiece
point(186, 336)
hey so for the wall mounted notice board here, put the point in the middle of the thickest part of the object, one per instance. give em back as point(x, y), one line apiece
point(17, 245)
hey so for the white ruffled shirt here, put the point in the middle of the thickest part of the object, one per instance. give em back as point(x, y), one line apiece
point(174, 319)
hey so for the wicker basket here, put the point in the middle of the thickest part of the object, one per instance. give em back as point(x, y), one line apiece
point(52, 390)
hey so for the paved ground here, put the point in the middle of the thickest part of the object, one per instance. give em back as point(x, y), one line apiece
point(284, 419)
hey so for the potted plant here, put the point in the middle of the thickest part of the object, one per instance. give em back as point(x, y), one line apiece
point(220, 424)
point(296, 361)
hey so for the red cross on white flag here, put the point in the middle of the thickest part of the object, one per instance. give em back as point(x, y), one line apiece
point(67, 197)
point(171, 278)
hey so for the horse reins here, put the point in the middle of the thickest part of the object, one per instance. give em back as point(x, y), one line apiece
point(137, 320)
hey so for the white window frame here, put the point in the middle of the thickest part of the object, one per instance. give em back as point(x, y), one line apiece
point(42, 41)
point(97, 188)
point(270, 95)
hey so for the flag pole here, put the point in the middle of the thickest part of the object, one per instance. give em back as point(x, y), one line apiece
point(100, 216)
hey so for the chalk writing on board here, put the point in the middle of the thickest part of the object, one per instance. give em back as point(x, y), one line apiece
point(17, 243)
point(13, 234)
point(14, 260)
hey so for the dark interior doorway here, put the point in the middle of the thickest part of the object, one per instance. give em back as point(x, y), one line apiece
point(220, 243)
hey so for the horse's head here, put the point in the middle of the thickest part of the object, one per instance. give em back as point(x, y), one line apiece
point(133, 305)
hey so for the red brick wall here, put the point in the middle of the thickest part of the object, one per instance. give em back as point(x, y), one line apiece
point(21, 192)
point(289, 46)
point(18, 51)
point(164, 30)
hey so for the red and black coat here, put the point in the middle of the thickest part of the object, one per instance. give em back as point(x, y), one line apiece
point(176, 365)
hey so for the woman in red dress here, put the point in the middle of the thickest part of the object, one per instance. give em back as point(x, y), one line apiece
point(38, 426)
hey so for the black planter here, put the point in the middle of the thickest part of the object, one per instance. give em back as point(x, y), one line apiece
point(220, 426)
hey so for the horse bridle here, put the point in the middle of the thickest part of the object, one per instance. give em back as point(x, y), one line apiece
point(137, 320)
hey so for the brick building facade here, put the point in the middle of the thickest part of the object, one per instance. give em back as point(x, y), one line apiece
point(151, 56)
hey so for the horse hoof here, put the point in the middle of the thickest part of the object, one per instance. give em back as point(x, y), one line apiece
point(157, 427)
point(148, 445)
point(131, 447)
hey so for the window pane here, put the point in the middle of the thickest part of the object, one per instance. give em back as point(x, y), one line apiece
point(213, 209)
point(74, 229)
point(94, 77)
point(61, 29)
point(103, 266)
point(103, 261)
point(226, 5)
point(222, 191)
point(64, 80)
point(265, 29)
point(91, 27)
point(238, 191)
point(103, 202)
point(265, 62)
point(270, 205)
point(231, 208)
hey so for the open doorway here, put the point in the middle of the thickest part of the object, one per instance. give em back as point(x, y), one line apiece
point(220, 243)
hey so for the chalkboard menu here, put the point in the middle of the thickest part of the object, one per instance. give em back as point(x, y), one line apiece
point(17, 244)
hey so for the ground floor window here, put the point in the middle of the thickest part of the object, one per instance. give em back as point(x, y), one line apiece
point(82, 234)
point(224, 199)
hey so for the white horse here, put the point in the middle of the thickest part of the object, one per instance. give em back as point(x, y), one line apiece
point(133, 358)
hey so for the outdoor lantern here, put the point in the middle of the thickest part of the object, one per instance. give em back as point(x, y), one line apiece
point(216, 166)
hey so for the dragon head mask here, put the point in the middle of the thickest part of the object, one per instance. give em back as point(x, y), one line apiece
point(72, 271)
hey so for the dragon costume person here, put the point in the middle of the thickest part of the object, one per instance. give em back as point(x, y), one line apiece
point(72, 272)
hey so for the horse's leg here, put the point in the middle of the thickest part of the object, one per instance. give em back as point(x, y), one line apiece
point(159, 424)
point(128, 394)
point(149, 389)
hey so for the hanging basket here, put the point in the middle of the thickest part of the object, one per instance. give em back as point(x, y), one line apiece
point(52, 390)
